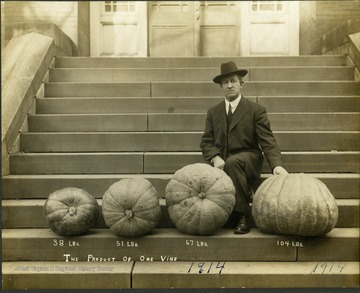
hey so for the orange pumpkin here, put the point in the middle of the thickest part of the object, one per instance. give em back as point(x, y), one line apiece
point(131, 207)
point(199, 199)
point(71, 211)
point(294, 204)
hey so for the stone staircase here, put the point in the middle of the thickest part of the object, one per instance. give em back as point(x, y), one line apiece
point(104, 119)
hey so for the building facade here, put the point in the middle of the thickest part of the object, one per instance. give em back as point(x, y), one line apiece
point(186, 28)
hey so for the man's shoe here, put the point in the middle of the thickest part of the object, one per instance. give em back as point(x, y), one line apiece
point(243, 226)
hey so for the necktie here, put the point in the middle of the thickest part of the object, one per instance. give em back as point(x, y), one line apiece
point(229, 115)
point(228, 118)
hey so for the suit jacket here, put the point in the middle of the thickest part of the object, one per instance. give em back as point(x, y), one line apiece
point(249, 132)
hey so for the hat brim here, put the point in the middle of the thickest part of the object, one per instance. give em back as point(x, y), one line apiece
point(241, 72)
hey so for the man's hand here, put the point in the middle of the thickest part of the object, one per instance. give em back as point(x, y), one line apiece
point(218, 162)
point(278, 170)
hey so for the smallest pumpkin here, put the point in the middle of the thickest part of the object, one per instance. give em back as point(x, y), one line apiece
point(71, 211)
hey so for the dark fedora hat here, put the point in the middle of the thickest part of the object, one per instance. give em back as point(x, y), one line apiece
point(227, 69)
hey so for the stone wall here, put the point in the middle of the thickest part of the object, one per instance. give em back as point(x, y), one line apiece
point(2, 26)
point(23, 71)
point(70, 16)
point(84, 28)
point(27, 59)
point(319, 17)
point(336, 41)
point(307, 31)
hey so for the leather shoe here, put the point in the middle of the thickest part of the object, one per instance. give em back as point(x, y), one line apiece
point(243, 226)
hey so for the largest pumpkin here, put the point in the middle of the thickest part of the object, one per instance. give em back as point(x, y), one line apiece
point(131, 207)
point(199, 199)
point(294, 204)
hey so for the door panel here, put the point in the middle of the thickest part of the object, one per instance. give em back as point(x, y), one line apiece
point(171, 41)
point(218, 41)
point(115, 35)
point(268, 39)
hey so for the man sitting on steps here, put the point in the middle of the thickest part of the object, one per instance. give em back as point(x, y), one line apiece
point(237, 134)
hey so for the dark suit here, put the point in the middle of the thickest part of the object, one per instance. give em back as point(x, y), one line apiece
point(241, 145)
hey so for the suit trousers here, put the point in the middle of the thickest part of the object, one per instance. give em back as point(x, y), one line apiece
point(244, 169)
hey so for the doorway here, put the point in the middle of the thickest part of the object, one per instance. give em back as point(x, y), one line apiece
point(194, 28)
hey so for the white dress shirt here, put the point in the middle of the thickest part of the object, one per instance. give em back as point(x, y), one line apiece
point(233, 104)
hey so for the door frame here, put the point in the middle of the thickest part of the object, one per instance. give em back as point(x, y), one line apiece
point(95, 10)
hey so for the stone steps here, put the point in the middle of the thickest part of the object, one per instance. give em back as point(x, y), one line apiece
point(180, 274)
point(39, 186)
point(165, 162)
point(106, 105)
point(346, 121)
point(28, 213)
point(175, 141)
point(341, 244)
point(295, 73)
point(196, 89)
point(269, 61)
point(105, 119)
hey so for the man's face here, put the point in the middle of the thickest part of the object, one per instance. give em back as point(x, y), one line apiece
point(231, 86)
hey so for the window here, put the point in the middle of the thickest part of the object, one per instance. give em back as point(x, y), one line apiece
point(217, 5)
point(270, 6)
point(118, 6)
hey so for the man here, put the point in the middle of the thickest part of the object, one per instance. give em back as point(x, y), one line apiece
point(237, 134)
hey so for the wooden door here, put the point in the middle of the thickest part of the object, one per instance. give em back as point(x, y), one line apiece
point(118, 28)
point(171, 28)
point(218, 24)
point(269, 28)
point(193, 28)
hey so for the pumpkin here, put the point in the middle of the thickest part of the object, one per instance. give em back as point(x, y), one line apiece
point(131, 207)
point(199, 199)
point(71, 211)
point(294, 204)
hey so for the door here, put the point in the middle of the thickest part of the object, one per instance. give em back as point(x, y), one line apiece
point(171, 28)
point(269, 28)
point(118, 28)
point(218, 23)
point(193, 28)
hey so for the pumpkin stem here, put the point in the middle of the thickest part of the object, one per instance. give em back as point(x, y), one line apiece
point(202, 195)
point(129, 213)
point(72, 211)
